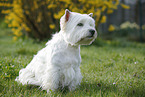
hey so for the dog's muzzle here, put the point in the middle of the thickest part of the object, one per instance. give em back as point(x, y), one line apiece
point(92, 32)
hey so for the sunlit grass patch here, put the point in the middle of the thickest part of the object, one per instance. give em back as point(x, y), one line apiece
point(109, 68)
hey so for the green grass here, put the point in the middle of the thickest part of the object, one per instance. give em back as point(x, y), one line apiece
point(109, 68)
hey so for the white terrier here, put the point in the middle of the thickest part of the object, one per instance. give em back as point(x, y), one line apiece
point(58, 64)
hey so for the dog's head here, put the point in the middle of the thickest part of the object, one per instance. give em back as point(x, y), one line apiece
point(78, 29)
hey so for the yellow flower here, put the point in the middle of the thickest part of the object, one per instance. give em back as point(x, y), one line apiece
point(15, 38)
point(9, 25)
point(66, 1)
point(17, 32)
point(98, 13)
point(5, 11)
point(51, 6)
point(25, 27)
point(109, 11)
point(15, 23)
point(111, 28)
point(35, 5)
point(104, 8)
point(39, 17)
point(117, 2)
point(125, 6)
point(59, 14)
point(13, 29)
point(27, 12)
point(52, 26)
point(103, 20)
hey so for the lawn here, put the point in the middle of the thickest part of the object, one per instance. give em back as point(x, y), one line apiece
point(109, 68)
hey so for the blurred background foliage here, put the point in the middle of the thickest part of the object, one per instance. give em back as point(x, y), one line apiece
point(39, 19)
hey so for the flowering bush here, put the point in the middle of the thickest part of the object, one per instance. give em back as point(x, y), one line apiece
point(39, 18)
point(129, 25)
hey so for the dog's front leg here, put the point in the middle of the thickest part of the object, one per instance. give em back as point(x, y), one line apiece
point(50, 80)
point(77, 79)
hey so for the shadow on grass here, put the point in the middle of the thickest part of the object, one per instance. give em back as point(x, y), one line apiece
point(135, 92)
point(85, 89)
point(98, 88)
point(105, 89)
point(64, 90)
point(24, 51)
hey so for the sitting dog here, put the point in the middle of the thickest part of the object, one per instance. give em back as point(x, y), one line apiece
point(58, 64)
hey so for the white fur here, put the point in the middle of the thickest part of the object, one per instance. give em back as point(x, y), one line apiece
point(58, 64)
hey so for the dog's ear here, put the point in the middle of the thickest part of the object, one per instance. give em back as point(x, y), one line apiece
point(91, 14)
point(67, 15)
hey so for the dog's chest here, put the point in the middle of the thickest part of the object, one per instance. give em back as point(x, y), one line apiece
point(67, 57)
point(73, 56)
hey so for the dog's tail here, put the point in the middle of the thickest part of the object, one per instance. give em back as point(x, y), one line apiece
point(27, 77)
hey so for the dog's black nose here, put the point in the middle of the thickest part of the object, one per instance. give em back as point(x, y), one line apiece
point(92, 32)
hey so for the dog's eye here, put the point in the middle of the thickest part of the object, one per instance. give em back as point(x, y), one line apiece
point(80, 24)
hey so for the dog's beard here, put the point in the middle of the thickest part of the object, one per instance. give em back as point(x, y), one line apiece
point(86, 41)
